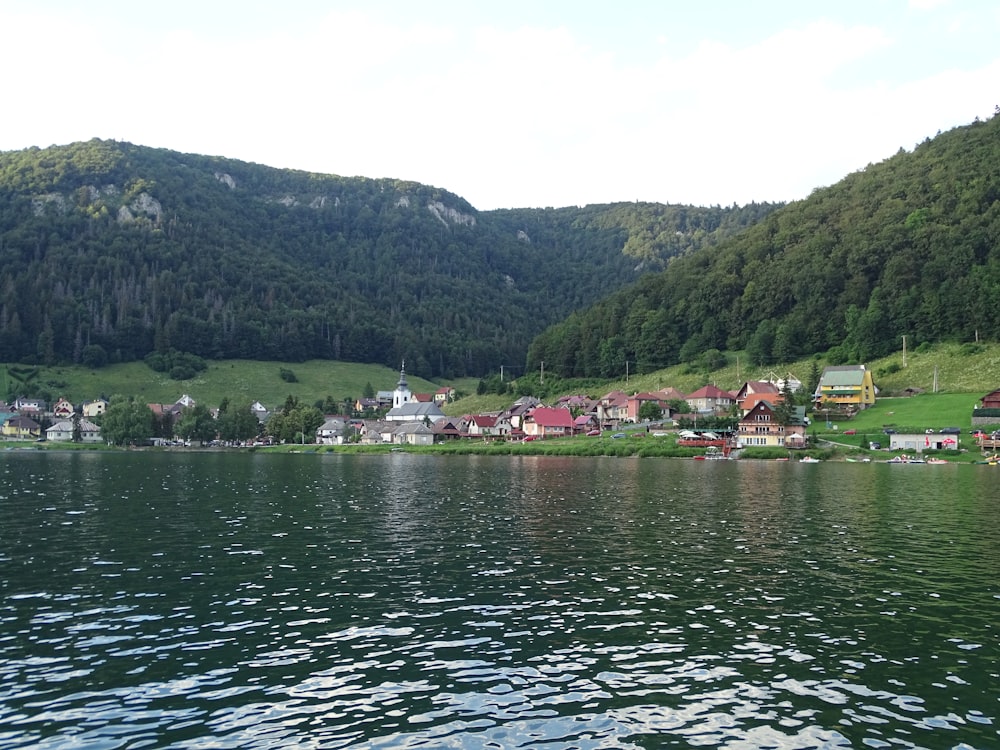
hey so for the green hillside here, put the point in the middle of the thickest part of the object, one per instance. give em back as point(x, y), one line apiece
point(238, 380)
point(110, 251)
point(909, 247)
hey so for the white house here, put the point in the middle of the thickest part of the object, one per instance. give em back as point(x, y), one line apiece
point(331, 432)
point(62, 431)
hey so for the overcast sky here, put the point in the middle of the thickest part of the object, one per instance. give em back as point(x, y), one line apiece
point(510, 104)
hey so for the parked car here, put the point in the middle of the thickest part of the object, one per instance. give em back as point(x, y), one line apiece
point(593, 433)
point(850, 432)
point(951, 431)
point(618, 436)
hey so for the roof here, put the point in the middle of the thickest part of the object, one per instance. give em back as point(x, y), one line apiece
point(759, 386)
point(552, 417)
point(445, 426)
point(672, 394)
point(66, 425)
point(755, 398)
point(710, 391)
point(416, 410)
point(842, 375)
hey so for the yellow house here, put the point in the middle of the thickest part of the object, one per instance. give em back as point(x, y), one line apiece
point(847, 386)
point(21, 428)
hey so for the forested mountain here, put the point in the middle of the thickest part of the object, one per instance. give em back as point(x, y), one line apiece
point(110, 251)
point(906, 247)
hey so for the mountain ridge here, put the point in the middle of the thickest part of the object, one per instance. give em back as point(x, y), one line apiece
point(110, 251)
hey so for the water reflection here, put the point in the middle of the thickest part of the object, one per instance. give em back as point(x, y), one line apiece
point(405, 601)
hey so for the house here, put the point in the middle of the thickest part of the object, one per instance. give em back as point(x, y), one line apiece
point(988, 412)
point(260, 411)
point(634, 403)
point(94, 408)
point(612, 407)
point(585, 423)
point(671, 394)
point(32, 407)
point(63, 409)
point(544, 421)
point(372, 431)
point(991, 400)
point(789, 380)
point(444, 395)
point(756, 387)
point(759, 427)
point(21, 427)
point(510, 422)
point(480, 425)
point(711, 398)
point(848, 387)
point(414, 433)
point(922, 441)
point(445, 429)
point(366, 404)
point(332, 431)
point(747, 403)
point(166, 415)
point(577, 403)
point(62, 431)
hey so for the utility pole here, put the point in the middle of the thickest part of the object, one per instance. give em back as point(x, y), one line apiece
point(626, 372)
point(904, 351)
point(501, 373)
point(541, 378)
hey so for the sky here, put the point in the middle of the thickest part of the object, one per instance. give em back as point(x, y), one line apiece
point(514, 104)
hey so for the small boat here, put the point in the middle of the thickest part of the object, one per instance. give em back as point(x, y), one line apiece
point(808, 460)
point(905, 460)
point(712, 453)
point(935, 460)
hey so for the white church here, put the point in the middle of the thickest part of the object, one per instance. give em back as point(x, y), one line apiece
point(406, 409)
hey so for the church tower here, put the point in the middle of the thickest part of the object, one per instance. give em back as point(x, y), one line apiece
point(402, 393)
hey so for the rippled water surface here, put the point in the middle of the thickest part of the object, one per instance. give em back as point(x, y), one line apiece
point(268, 601)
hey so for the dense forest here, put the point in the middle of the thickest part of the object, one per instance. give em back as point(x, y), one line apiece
point(111, 251)
point(906, 247)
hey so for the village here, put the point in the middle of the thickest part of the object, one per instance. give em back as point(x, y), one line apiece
point(755, 416)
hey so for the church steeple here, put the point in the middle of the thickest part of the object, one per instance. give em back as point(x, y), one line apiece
point(401, 395)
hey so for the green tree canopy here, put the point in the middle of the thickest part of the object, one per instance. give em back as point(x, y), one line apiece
point(126, 422)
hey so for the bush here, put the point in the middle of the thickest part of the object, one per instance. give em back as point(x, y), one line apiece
point(93, 356)
point(179, 365)
point(287, 375)
point(182, 372)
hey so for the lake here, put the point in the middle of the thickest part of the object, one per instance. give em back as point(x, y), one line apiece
point(224, 600)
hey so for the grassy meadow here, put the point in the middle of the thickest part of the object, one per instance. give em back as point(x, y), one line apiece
point(238, 380)
point(962, 373)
